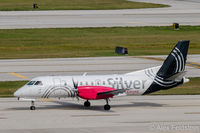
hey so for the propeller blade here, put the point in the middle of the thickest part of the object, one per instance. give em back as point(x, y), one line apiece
point(75, 89)
point(75, 84)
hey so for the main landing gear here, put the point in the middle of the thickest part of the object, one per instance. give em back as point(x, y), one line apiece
point(107, 106)
point(32, 107)
point(87, 103)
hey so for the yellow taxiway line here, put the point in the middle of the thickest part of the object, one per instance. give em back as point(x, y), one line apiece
point(188, 63)
point(46, 99)
point(18, 75)
point(193, 64)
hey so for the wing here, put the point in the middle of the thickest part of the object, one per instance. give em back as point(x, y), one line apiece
point(112, 92)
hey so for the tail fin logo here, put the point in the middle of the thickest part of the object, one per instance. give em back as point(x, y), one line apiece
point(159, 80)
point(180, 66)
point(180, 63)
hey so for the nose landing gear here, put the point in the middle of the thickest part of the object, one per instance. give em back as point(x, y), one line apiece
point(32, 107)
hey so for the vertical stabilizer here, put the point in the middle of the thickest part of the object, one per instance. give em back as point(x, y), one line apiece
point(171, 73)
point(175, 62)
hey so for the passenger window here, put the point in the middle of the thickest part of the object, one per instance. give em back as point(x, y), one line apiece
point(31, 82)
point(38, 83)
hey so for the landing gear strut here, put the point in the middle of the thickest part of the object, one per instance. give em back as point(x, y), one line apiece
point(32, 106)
point(107, 106)
point(87, 103)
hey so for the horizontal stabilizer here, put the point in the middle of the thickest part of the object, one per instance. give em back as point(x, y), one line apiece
point(26, 99)
point(177, 77)
point(112, 92)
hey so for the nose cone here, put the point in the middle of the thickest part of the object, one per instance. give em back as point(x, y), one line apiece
point(18, 93)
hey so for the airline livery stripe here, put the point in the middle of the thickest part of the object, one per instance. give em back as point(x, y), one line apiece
point(46, 91)
point(180, 66)
point(179, 60)
point(150, 73)
point(66, 90)
point(51, 90)
point(165, 85)
point(164, 82)
point(176, 63)
point(153, 72)
point(159, 80)
point(182, 58)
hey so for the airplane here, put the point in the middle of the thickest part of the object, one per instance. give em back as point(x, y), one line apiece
point(94, 87)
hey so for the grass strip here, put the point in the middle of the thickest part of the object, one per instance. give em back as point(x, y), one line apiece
point(7, 88)
point(16, 5)
point(87, 42)
point(190, 88)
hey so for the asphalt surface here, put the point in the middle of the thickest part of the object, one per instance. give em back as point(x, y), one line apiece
point(185, 12)
point(141, 114)
point(26, 69)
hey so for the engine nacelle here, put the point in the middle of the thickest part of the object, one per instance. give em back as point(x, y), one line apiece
point(92, 92)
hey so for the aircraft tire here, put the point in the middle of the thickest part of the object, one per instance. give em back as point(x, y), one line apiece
point(87, 104)
point(107, 107)
point(32, 108)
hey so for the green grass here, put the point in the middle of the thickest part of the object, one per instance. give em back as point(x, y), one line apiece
point(7, 5)
point(191, 88)
point(85, 42)
point(7, 88)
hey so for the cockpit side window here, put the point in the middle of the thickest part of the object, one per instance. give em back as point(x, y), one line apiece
point(38, 83)
point(31, 82)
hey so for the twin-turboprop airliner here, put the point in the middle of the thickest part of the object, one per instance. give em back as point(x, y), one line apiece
point(94, 87)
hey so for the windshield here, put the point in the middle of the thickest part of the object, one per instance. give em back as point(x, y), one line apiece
point(34, 83)
point(38, 83)
point(31, 82)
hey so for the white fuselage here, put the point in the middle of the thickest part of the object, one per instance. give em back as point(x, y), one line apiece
point(63, 86)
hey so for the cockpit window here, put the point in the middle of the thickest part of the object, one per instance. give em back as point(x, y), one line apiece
point(31, 82)
point(35, 83)
point(38, 83)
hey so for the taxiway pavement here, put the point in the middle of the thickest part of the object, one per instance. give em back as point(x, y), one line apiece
point(141, 114)
point(185, 12)
point(26, 69)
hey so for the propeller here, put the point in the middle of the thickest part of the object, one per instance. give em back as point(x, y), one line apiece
point(75, 89)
